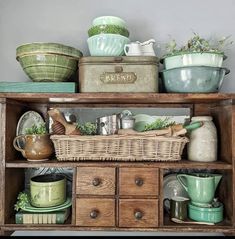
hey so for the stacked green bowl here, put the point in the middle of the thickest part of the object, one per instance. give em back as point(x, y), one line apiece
point(48, 62)
point(107, 36)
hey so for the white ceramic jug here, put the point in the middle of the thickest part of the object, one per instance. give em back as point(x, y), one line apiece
point(147, 48)
point(133, 49)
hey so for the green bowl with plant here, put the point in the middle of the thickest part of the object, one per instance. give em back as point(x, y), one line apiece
point(113, 29)
point(196, 52)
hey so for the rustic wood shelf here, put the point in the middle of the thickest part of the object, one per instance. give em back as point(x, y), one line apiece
point(23, 163)
point(118, 195)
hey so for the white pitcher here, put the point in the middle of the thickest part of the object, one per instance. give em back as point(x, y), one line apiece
point(133, 49)
point(147, 48)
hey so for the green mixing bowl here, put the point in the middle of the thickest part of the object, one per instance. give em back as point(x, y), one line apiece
point(114, 29)
point(48, 62)
point(47, 47)
point(47, 190)
point(193, 79)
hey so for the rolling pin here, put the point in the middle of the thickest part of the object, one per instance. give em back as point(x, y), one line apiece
point(70, 129)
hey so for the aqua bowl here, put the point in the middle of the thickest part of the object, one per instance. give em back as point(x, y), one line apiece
point(112, 20)
point(107, 44)
point(206, 214)
point(193, 79)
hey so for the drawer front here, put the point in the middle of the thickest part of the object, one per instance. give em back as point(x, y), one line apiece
point(138, 181)
point(138, 212)
point(95, 212)
point(95, 181)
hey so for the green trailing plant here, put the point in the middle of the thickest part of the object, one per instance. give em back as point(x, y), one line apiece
point(159, 124)
point(198, 44)
point(37, 129)
point(22, 201)
point(87, 128)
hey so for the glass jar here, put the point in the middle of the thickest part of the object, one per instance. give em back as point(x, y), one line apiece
point(202, 144)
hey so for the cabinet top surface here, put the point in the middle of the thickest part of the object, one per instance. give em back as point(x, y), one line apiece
point(97, 98)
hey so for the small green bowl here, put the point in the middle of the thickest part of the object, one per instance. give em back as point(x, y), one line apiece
point(113, 29)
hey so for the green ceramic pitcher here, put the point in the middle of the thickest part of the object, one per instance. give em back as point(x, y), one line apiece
point(201, 187)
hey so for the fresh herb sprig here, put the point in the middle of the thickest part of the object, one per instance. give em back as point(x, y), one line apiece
point(37, 129)
point(87, 128)
point(22, 201)
point(159, 124)
point(199, 44)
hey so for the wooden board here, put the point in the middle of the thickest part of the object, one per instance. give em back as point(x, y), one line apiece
point(38, 87)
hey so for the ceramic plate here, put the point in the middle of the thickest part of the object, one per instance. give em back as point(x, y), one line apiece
point(26, 121)
point(172, 187)
point(67, 203)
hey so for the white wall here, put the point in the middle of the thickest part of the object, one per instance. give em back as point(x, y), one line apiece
point(67, 21)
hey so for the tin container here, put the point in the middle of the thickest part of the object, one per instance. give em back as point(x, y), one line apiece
point(127, 122)
point(118, 74)
point(108, 125)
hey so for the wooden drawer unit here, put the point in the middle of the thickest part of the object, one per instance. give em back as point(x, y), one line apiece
point(95, 212)
point(138, 181)
point(95, 181)
point(138, 212)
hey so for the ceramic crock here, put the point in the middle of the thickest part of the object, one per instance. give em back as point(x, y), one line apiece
point(48, 190)
point(202, 146)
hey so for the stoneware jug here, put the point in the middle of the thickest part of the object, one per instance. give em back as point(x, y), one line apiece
point(36, 148)
point(200, 187)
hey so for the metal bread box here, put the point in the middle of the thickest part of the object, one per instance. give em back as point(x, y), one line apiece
point(118, 74)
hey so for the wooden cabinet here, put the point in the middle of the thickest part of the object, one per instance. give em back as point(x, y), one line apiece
point(117, 195)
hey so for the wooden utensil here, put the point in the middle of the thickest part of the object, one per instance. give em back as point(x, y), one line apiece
point(70, 129)
point(191, 222)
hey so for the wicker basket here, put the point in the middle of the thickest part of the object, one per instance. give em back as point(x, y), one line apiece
point(118, 148)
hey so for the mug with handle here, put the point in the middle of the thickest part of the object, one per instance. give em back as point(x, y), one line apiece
point(178, 207)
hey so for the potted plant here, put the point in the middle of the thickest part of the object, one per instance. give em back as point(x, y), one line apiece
point(38, 145)
point(197, 51)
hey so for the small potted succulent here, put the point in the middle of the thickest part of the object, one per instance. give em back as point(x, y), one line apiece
point(38, 145)
point(197, 51)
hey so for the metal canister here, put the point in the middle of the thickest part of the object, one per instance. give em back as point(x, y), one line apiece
point(127, 122)
point(108, 125)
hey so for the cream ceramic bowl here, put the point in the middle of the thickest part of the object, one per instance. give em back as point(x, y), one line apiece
point(193, 59)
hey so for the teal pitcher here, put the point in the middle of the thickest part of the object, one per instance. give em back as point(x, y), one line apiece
point(201, 187)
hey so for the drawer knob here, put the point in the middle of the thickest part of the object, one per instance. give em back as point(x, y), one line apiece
point(94, 214)
point(139, 182)
point(138, 215)
point(96, 182)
